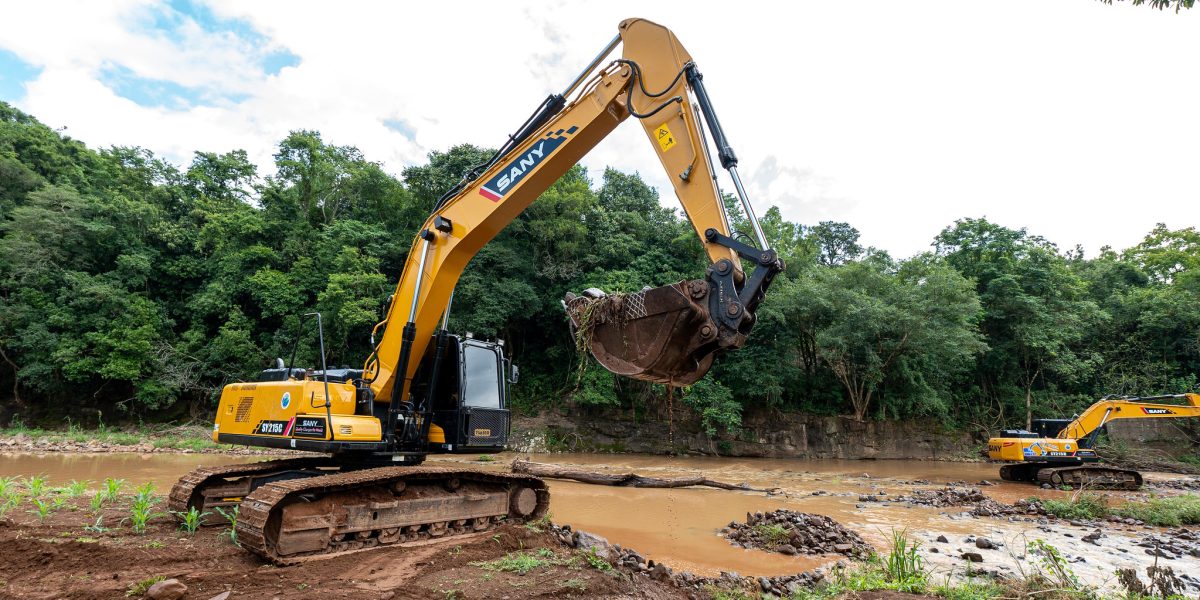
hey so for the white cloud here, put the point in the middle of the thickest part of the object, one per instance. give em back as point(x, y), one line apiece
point(1070, 118)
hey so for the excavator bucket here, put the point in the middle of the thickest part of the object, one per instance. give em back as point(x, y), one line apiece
point(665, 334)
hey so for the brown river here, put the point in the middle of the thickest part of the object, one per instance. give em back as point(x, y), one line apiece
point(675, 526)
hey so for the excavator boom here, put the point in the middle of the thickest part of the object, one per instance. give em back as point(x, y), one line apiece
point(424, 390)
point(666, 335)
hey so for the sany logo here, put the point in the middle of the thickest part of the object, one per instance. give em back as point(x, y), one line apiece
point(515, 171)
point(1157, 411)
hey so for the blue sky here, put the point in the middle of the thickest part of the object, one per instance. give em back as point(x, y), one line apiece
point(14, 73)
point(897, 117)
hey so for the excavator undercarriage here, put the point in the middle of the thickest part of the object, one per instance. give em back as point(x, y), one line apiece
point(1082, 476)
point(294, 510)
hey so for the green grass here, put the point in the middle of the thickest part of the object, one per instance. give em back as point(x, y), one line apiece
point(1169, 511)
point(773, 535)
point(160, 436)
point(1079, 506)
point(1172, 511)
point(596, 561)
point(524, 562)
point(519, 563)
point(140, 588)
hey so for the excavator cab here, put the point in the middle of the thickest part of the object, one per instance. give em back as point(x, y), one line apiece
point(470, 396)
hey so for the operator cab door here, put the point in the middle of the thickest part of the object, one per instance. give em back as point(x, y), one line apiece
point(471, 405)
point(484, 416)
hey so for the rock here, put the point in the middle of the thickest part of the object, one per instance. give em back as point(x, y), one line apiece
point(167, 589)
point(225, 596)
point(1046, 486)
point(942, 539)
point(933, 550)
point(660, 572)
point(973, 556)
point(588, 542)
point(843, 548)
point(787, 549)
point(984, 544)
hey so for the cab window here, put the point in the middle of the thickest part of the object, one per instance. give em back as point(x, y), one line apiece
point(482, 384)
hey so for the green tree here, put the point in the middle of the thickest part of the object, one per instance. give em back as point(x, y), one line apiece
point(881, 320)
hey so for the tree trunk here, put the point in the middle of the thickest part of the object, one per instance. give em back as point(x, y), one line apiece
point(1029, 408)
point(623, 479)
point(16, 389)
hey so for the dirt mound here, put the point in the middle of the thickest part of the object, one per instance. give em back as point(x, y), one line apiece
point(791, 532)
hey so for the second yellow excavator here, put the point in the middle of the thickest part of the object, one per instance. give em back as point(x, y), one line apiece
point(423, 390)
point(1060, 452)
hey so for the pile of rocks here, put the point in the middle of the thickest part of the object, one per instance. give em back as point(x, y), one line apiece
point(790, 532)
point(630, 561)
point(947, 496)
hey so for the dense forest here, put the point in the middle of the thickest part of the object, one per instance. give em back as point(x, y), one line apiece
point(131, 289)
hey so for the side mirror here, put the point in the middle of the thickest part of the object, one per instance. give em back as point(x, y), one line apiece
point(515, 374)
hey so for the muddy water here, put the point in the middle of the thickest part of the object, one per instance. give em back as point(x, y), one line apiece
point(675, 526)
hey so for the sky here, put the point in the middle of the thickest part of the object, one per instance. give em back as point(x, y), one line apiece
point(1072, 118)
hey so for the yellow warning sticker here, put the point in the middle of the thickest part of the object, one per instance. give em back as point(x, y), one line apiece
point(666, 139)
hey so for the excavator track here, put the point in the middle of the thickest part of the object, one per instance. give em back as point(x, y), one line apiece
point(206, 488)
point(298, 520)
point(1091, 477)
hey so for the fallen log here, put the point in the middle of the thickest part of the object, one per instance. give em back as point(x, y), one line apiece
point(626, 479)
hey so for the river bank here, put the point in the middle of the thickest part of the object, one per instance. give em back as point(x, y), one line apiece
point(678, 528)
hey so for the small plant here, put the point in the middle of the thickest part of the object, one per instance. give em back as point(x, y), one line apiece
point(139, 517)
point(140, 588)
point(76, 488)
point(112, 487)
point(36, 485)
point(144, 492)
point(155, 544)
point(193, 518)
point(596, 561)
point(8, 485)
point(97, 527)
point(773, 535)
point(486, 458)
point(42, 508)
point(540, 524)
point(545, 553)
point(97, 502)
point(232, 517)
point(902, 565)
point(58, 502)
point(1053, 566)
point(141, 510)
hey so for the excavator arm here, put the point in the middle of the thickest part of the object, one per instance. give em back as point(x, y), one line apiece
point(666, 334)
point(1085, 426)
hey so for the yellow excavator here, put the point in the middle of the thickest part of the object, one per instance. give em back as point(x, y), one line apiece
point(423, 390)
point(1060, 452)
